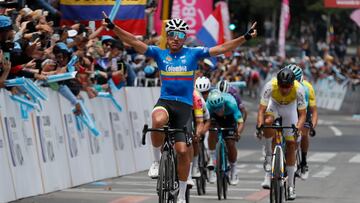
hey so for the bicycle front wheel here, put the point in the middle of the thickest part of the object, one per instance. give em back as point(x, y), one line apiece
point(219, 170)
point(162, 182)
point(277, 187)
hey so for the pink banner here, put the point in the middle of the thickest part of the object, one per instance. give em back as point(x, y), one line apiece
point(284, 23)
point(194, 12)
point(355, 16)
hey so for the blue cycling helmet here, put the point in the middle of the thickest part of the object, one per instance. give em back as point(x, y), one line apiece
point(297, 72)
point(5, 23)
point(215, 99)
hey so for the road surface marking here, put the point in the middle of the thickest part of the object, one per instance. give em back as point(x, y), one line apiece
point(355, 159)
point(322, 157)
point(257, 196)
point(336, 131)
point(131, 199)
point(326, 171)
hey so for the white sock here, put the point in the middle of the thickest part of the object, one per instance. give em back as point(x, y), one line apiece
point(268, 146)
point(195, 161)
point(213, 154)
point(157, 153)
point(233, 167)
point(190, 171)
point(182, 191)
point(291, 172)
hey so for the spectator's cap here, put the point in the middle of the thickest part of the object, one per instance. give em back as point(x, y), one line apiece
point(236, 54)
point(5, 23)
point(69, 40)
point(139, 57)
point(72, 33)
point(107, 38)
point(209, 63)
point(149, 70)
point(63, 47)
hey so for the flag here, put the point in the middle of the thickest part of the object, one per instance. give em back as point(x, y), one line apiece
point(165, 6)
point(284, 23)
point(355, 16)
point(212, 31)
point(130, 16)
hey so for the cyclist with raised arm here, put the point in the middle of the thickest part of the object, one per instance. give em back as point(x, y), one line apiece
point(311, 118)
point(282, 96)
point(177, 65)
point(225, 86)
point(224, 109)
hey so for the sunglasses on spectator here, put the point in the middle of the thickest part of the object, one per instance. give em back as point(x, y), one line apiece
point(173, 34)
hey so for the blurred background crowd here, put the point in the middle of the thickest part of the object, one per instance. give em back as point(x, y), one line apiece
point(34, 45)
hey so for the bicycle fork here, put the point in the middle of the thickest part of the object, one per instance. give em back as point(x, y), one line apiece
point(274, 171)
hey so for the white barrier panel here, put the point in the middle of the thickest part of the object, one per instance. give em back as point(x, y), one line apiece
point(122, 135)
point(24, 162)
point(330, 94)
point(51, 144)
point(155, 93)
point(77, 146)
point(101, 147)
point(136, 101)
point(7, 192)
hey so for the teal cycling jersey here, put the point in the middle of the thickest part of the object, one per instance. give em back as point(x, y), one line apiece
point(177, 71)
point(230, 107)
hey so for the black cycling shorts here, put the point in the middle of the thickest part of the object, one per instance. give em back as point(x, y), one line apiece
point(224, 122)
point(179, 116)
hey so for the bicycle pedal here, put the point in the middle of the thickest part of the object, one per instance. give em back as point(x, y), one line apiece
point(174, 193)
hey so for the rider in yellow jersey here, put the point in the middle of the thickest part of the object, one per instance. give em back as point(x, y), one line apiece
point(311, 118)
point(282, 96)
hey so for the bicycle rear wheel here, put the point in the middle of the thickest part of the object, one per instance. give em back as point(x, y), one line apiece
point(276, 187)
point(201, 181)
point(219, 171)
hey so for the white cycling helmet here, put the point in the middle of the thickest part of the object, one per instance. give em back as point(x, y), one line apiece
point(176, 24)
point(202, 84)
point(223, 86)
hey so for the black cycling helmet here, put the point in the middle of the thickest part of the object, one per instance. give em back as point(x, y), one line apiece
point(285, 76)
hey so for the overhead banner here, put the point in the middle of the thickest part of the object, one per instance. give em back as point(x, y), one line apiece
point(284, 23)
point(101, 147)
point(194, 12)
point(342, 3)
point(122, 135)
point(24, 162)
point(51, 144)
point(77, 146)
point(7, 192)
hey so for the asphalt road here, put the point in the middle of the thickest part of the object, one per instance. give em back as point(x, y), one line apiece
point(334, 162)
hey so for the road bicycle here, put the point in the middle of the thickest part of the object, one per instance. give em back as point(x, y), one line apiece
point(278, 185)
point(222, 167)
point(167, 184)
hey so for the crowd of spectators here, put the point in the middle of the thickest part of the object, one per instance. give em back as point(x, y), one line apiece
point(31, 46)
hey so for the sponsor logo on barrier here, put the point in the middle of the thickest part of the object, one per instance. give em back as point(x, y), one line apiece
point(70, 132)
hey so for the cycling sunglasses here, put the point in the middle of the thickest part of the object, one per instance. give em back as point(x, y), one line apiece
point(287, 86)
point(173, 34)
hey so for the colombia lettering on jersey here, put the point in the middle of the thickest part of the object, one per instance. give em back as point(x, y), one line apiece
point(177, 71)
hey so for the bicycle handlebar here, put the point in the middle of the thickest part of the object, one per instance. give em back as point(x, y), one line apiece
point(293, 127)
point(165, 130)
point(221, 129)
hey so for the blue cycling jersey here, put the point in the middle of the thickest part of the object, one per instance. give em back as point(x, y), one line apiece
point(231, 107)
point(177, 71)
